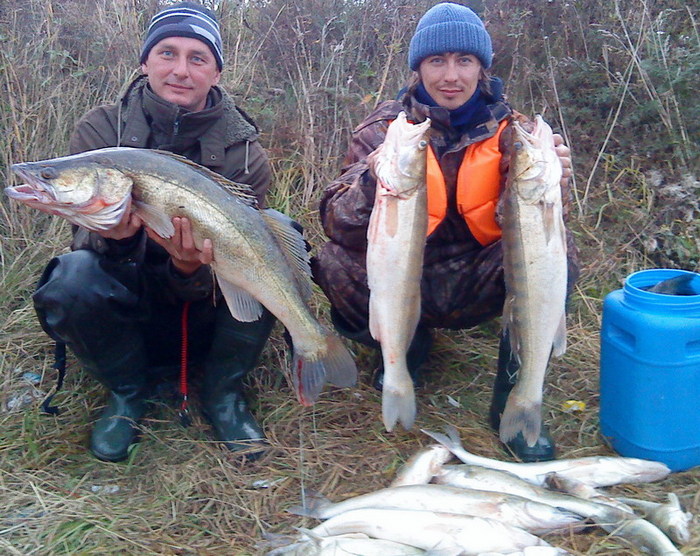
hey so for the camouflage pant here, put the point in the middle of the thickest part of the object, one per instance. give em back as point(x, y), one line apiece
point(458, 291)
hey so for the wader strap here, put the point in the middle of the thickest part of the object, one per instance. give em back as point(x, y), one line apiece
point(59, 363)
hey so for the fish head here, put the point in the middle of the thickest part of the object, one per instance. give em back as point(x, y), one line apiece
point(85, 190)
point(399, 163)
point(535, 165)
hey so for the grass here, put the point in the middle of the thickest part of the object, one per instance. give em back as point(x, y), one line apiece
point(180, 493)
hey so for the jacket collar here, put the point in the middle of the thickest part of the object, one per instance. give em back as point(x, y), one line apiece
point(151, 122)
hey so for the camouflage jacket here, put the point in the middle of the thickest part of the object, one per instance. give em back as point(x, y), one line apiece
point(462, 280)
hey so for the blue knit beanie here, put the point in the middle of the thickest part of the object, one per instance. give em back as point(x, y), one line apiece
point(449, 27)
point(187, 19)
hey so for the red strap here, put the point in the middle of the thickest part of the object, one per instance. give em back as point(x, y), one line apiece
point(184, 411)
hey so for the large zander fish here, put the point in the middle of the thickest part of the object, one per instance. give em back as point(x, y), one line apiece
point(535, 269)
point(259, 258)
point(396, 242)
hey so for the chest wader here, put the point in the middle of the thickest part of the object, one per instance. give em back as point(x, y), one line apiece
point(95, 308)
point(506, 377)
point(416, 355)
point(101, 311)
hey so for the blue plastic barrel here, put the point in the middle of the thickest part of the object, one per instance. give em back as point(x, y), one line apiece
point(650, 371)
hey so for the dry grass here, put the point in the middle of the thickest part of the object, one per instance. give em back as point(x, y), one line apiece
point(180, 493)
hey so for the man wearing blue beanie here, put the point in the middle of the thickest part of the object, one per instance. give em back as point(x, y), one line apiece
point(463, 281)
point(136, 309)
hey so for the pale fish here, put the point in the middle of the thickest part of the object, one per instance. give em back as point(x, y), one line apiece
point(395, 244)
point(351, 544)
point(259, 257)
point(535, 271)
point(626, 525)
point(514, 510)
point(595, 471)
point(670, 517)
point(421, 466)
point(432, 531)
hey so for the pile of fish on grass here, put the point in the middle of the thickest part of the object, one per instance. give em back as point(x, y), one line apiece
point(489, 507)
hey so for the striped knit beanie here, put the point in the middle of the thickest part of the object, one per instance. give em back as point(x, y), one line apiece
point(449, 27)
point(185, 20)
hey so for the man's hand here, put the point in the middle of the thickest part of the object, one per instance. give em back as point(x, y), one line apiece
point(564, 154)
point(186, 257)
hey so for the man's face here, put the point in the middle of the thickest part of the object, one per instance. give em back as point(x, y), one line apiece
point(181, 70)
point(450, 78)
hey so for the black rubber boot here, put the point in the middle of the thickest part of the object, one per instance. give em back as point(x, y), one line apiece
point(506, 377)
point(94, 307)
point(235, 350)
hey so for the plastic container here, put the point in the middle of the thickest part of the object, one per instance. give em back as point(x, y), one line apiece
point(650, 371)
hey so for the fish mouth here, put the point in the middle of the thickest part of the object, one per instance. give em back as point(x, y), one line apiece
point(33, 191)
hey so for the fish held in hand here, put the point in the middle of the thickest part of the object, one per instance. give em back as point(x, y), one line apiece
point(259, 257)
point(535, 271)
point(395, 245)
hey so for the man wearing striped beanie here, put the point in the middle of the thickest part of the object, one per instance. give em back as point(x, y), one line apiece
point(127, 302)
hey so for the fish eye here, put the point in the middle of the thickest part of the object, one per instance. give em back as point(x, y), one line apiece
point(422, 144)
point(49, 173)
point(518, 145)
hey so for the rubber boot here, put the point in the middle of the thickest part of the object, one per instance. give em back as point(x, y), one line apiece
point(416, 355)
point(117, 427)
point(235, 350)
point(94, 307)
point(506, 377)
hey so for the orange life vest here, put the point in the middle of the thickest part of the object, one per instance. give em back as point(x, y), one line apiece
point(478, 187)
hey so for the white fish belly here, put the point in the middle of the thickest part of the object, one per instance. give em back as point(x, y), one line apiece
point(396, 242)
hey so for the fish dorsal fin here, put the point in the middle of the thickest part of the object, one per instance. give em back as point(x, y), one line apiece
point(243, 306)
point(155, 218)
point(293, 246)
point(241, 191)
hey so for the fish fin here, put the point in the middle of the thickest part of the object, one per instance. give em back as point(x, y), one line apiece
point(293, 245)
point(243, 192)
point(509, 326)
point(445, 440)
point(519, 416)
point(155, 218)
point(313, 505)
point(398, 404)
point(559, 344)
point(548, 220)
point(337, 366)
point(243, 306)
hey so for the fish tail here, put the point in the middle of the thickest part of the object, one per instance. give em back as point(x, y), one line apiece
point(521, 417)
point(398, 404)
point(335, 366)
point(313, 505)
point(447, 440)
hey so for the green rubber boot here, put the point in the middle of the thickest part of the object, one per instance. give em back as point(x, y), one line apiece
point(116, 429)
point(235, 350)
point(506, 377)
